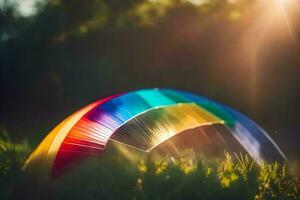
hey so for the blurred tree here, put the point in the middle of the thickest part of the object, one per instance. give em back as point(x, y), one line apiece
point(66, 55)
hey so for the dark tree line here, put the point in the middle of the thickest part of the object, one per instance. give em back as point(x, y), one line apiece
point(70, 54)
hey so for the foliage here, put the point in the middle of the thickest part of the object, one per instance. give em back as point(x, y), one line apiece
point(12, 157)
point(70, 54)
point(276, 182)
point(234, 177)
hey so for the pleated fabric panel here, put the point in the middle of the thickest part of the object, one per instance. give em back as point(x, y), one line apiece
point(144, 119)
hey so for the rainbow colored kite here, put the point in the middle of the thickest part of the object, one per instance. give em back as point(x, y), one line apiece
point(154, 115)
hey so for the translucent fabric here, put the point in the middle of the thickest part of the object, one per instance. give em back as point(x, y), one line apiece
point(143, 120)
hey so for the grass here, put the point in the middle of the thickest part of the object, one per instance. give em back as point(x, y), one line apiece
point(12, 157)
point(234, 177)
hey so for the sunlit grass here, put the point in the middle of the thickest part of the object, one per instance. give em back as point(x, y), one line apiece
point(236, 176)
